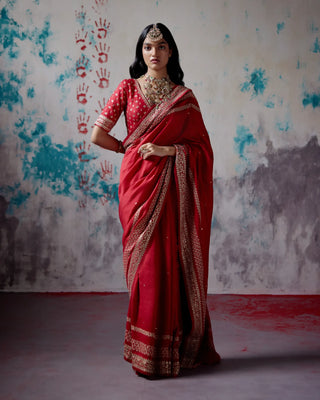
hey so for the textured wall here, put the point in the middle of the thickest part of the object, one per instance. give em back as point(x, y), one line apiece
point(255, 69)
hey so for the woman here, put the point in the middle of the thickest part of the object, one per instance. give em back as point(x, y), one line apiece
point(165, 208)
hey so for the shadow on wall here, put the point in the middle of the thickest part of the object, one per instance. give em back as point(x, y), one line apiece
point(276, 228)
point(8, 227)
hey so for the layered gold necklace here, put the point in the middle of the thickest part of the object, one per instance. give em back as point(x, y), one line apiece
point(157, 90)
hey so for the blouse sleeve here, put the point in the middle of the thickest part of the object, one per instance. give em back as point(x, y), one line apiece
point(113, 109)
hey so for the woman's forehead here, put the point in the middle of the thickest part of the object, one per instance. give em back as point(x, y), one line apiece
point(154, 43)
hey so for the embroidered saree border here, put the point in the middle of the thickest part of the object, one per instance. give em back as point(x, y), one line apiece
point(151, 353)
point(192, 261)
point(136, 347)
point(152, 334)
point(183, 108)
point(153, 367)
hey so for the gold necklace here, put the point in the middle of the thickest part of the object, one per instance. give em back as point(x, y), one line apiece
point(157, 89)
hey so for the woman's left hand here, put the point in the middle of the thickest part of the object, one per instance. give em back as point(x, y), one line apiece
point(150, 149)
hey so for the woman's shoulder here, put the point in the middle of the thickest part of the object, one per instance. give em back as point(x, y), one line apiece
point(128, 82)
point(184, 90)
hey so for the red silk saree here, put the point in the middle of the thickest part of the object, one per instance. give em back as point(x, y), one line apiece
point(165, 208)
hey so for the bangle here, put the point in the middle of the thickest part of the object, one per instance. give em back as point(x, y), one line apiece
point(120, 146)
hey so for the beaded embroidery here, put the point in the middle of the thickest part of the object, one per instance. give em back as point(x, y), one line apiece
point(157, 90)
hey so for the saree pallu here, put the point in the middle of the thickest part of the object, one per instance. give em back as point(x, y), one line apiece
point(165, 210)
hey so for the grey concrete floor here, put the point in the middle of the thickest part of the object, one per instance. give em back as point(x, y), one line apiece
point(69, 347)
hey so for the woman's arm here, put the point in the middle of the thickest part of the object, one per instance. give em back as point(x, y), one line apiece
point(103, 139)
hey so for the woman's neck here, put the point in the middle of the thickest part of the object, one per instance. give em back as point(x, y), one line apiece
point(157, 74)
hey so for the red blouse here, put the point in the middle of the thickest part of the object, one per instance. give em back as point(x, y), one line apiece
point(129, 98)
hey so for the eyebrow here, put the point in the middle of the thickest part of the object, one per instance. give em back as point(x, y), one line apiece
point(150, 44)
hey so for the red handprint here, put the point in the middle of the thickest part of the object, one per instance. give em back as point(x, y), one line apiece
point(106, 169)
point(103, 78)
point(100, 6)
point(101, 105)
point(84, 181)
point(82, 93)
point(81, 66)
point(81, 15)
point(82, 202)
point(81, 37)
point(83, 123)
point(102, 28)
point(83, 152)
point(106, 198)
point(102, 51)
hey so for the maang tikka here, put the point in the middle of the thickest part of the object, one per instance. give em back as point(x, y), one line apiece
point(154, 34)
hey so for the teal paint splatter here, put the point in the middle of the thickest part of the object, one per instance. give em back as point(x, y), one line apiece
point(243, 139)
point(313, 28)
point(31, 93)
point(226, 39)
point(280, 27)
point(10, 85)
point(59, 167)
point(300, 64)
point(66, 116)
point(53, 165)
point(284, 126)
point(256, 82)
point(269, 104)
point(16, 196)
point(23, 136)
point(316, 46)
point(20, 198)
point(40, 129)
point(10, 31)
point(63, 80)
point(40, 39)
point(312, 99)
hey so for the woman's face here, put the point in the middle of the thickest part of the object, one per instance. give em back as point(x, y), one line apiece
point(156, 55)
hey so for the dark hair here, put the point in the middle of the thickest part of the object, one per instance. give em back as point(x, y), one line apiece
point(138, 67)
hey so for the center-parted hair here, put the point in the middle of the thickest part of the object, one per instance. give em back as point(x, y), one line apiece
point(138, 67)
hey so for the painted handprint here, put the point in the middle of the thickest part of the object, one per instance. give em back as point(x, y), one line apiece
point(100, 6)
point(106, 198)
point(102, 51)
point(81, 37)
point(83, 152)
point(82, 123)
point(84, 181)
point(106, 170)
point(81, 15)
point(82, 93)
point(103, 77)
point(82, 65)
point(82, 202)
point(101, 106)
point(102, 28)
